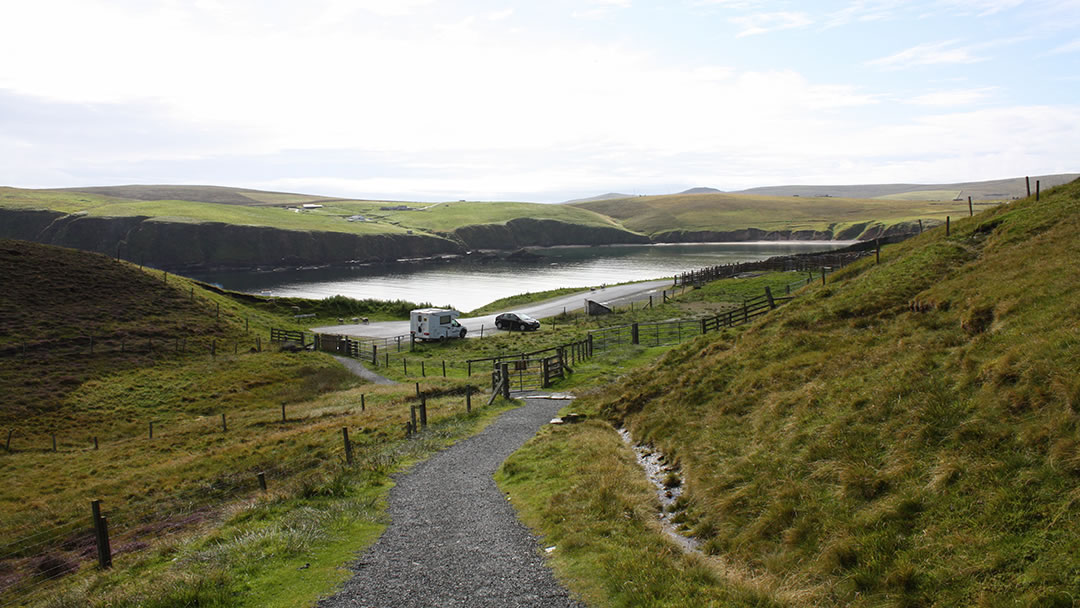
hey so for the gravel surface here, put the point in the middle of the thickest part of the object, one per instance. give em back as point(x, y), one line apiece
point(454, 539)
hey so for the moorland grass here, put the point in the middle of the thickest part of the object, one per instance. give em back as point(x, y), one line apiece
point(188, 524)
point(904, 435)
point(655, 215)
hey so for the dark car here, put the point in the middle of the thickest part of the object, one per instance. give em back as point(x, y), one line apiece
point(516, 320)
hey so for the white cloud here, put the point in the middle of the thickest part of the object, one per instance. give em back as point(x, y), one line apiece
point(597, 9)
point(1068, 47)
point(762, 23)
point(933, 53)
point(956, 97)
point(983, 8)
point(862, 11)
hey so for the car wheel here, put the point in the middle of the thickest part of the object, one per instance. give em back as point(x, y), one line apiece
point(462, 334)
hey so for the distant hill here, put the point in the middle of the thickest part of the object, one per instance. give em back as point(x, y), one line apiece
point(998, 189)
point(201, 194)
point(701, 190)
point(601, 197)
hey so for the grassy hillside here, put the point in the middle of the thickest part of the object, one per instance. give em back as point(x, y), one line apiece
point(188, 522)
point(906, 435)
point(655, 215)
point(448, 216)
point(205, 194)
point(990, 190)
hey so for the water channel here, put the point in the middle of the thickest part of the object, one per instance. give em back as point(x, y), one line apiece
point(465, 285)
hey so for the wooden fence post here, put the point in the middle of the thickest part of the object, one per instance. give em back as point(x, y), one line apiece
point(544, 372)
point(1037, 190)
point(348, 446)
point(412, 417)
point(283, 412)
point(95, 442)
point(423, 411)
point(768, 296)
point(822, 275)
point(151, 429)
point(417, 389)
point(53, 441)
point(404, 366)
point(505, 369)
point(877, 251)
point(423, 371)
point(947, 227)
point(262, 480)
point(468, 398)
point(634, 333)
point(375, 355)
point(971, 209)
point(224, 427)
point(363, 406)
point(101, 535)
point(444, 368)
point(1027, 180)
point(7, 445)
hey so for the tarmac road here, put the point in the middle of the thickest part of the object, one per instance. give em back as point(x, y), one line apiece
point(615, 295)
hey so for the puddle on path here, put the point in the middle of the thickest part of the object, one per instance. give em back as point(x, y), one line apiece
point(658, 472)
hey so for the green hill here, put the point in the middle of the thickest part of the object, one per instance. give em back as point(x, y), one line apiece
point(738, 217)
point(906, 435)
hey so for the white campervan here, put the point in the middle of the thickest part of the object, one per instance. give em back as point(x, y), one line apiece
point(435, 324)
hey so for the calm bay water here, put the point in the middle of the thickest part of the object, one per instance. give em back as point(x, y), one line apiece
point(467, 286)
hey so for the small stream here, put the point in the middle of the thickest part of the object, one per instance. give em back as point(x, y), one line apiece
point(658, 472)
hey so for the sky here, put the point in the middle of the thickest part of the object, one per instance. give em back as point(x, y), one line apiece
point(545, 101)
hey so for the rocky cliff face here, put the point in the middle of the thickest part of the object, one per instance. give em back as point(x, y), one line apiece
point(175, 245)
point(182, 245)
point(738, 236)
point(529, 232)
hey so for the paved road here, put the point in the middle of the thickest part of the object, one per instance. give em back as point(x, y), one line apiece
point(616, 295)
point(454, 539)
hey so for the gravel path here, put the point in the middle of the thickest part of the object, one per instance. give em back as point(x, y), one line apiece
point(454, 539)
point(358, 368)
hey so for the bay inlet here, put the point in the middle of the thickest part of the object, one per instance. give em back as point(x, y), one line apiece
point(466, 285)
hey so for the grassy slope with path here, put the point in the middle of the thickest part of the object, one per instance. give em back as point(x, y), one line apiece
point(187, 520)
point(905, 435)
